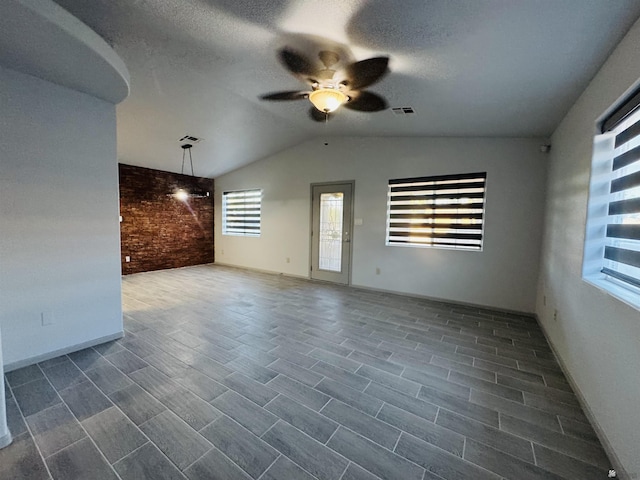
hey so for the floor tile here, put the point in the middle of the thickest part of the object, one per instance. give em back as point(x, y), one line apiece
point(511, 444)
point(303, 418)
point(216, 466)
point(430, 432)
point(573, 447)
point(108, 347)
point(355, 398)
point(249, 452)
point(374, 458)
point(15, 421)
point(114, 434)
point(248, 414)
point(576, 429)
point(87, 359)
point(252, 369)
point(296, 372)
point(459, 405)
point(192, 409)
point(24, 375)
point(179, 442)
point(438, 383)
point(35, 396)
point(515, 409)
point(154, 382)
point(80, 461)
point(361, 423)
point(503, 464)
point(64, 374)
point(293, 356)
point(407, 387)
point(345, 377)
point(565, 466)
point(354, 472)
point(250, 388)
point(137, 404)
point(54, 429)
point(441, 463)
point(283, 468)
point(126, 361)
point(108, 378)
point(312, 456)
point(147, 463)
point(85, 400)
point(335, 360)
point(21, 460)
point(299, 392)
point(414, 405)
point(201, 385)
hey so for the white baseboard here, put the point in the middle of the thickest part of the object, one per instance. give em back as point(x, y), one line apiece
point(621, 473)
point(381, 290)
point(8, 367)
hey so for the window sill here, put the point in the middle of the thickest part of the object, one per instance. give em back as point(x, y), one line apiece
point(621, 293)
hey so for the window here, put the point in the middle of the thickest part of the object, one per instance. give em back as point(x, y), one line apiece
point(612, 241)
point(446, 211)
point(241, 213)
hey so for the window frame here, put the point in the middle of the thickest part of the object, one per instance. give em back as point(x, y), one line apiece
point(463, 230)
point(600, 231)
point(242, 231)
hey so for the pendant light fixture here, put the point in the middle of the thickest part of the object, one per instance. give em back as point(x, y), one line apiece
point(183, 194)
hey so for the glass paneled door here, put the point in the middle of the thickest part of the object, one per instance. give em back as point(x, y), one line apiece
point(331, 232)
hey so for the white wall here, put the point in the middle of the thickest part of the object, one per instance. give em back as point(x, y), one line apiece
point(596, 336)
point(59, 232)
point(503, 275)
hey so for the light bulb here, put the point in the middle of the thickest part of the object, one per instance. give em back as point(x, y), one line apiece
point(327, 99)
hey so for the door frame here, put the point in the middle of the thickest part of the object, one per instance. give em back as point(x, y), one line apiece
point(351, 209)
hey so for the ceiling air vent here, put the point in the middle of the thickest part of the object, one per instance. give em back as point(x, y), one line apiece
point(403, 111)
point(190, 139)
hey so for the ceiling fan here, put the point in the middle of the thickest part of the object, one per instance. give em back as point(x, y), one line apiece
point(332, 88)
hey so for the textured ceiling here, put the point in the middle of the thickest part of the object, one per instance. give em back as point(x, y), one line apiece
point(467, 67)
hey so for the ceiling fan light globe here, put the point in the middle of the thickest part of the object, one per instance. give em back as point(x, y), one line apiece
point(327, 99)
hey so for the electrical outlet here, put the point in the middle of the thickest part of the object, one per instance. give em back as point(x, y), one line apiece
point(46, 318)
point(127, 259)
point(555, 315)
point(377, 270)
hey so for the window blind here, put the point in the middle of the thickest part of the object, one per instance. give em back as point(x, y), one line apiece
point(445, 211)
point(622, 241)
point(241, 212)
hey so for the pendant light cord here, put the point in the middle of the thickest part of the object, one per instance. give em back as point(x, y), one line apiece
point(186, 147)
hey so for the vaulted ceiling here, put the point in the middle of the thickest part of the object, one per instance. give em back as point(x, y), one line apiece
point(467, 67)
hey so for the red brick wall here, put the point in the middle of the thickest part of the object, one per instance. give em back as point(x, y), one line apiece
point(158, 231)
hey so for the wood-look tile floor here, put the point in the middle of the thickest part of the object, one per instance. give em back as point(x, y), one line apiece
point(229, 374)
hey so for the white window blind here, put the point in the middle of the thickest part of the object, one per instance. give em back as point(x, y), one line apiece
point(621, 255)
point(445, 211)
point(241, 212)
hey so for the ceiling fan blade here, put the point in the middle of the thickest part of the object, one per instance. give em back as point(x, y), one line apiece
point(294, 95)
point(295, 62)
point(318, 116)
point(361, 74)
point(366, 102)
